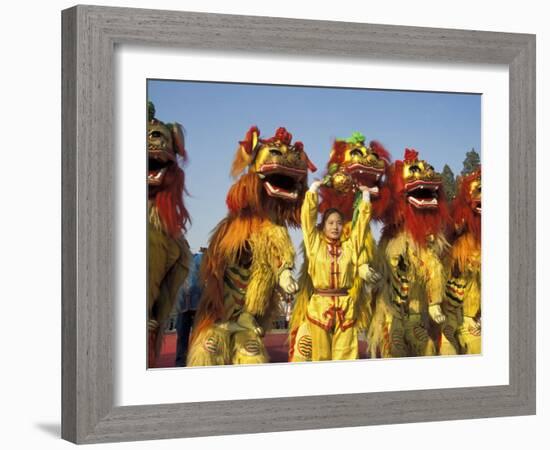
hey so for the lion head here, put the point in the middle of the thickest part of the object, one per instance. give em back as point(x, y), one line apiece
point(418, 201)
point(276, 176)
point(354, 163)
point(165, 178)
point(466, 207)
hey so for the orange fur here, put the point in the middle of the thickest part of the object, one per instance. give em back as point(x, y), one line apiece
point(462, 251)
point(247, 197)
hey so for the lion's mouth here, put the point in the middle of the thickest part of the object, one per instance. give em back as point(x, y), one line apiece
point(157, 165)
point(422, 194)
point(477, 206)
point(366, 176)
point(282, 181)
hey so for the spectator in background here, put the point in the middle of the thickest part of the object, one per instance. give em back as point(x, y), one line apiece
point(188, 298)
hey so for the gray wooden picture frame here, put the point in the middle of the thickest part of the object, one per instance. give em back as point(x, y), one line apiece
point(90, 35)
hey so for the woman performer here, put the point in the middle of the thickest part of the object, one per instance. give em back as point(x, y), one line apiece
point(333, 265)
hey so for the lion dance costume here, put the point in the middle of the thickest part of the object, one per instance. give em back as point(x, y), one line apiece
point(250, 256)
point(410, 259)
point(168, 251)
point(351, 163)
point(461, 332)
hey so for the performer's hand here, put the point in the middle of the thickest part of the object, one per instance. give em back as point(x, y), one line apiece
point(368, 274)
point(315, 185)
point(436, 314)
point(287, 282)
point(472, 325)
point(366, 193)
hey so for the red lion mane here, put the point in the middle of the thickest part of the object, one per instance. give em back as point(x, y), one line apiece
point(401, 215)
point(168, 198)
point(169, 202)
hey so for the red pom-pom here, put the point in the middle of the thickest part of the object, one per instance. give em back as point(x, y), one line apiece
point(411, 154)
point(284, 136)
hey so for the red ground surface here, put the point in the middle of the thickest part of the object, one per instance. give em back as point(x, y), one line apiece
point(276, 345)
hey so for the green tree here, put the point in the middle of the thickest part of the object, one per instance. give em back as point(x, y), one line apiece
point(449, 182)
point(471, 162)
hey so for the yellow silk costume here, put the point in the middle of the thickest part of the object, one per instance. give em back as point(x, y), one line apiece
point(332, 266)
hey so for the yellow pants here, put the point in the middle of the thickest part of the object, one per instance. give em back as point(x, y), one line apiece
point(406, 336)
point(302, 344)
point(332, 328)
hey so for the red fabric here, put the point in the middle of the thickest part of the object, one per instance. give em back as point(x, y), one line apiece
point(169, 202)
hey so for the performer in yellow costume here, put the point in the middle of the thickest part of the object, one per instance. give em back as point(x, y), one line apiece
point(461, 332)
point(408, 305)
point(333, 265)
point(353, 161)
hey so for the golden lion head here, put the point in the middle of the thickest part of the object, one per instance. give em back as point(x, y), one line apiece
point(280, 165)
point(276, 178)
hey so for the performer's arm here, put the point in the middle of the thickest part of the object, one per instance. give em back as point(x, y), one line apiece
point(361, 227)
point(309, 217)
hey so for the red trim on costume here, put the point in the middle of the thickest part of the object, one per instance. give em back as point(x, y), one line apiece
point(319, 324)
point(292, 342)
point(333, 313)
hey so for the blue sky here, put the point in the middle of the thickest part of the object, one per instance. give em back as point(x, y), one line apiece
point(215, 116)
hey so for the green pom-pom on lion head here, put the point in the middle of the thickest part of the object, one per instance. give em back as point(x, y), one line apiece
point(355, 138)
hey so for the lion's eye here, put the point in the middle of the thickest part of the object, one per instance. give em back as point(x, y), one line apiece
point(356, 152)
point(375, 155)
point(156, 134)
point(414, 169)
point(275, 152)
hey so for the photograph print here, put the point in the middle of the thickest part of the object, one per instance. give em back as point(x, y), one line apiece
point(300, 224)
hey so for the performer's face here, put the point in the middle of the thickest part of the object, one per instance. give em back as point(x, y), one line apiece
point(333, 226)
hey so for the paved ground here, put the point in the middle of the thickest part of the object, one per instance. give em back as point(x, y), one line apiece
point(276, 344)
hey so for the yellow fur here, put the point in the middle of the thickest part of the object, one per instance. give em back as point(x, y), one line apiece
point(273, 252)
